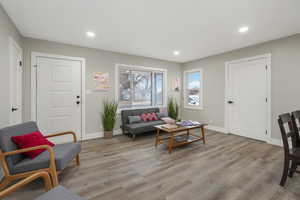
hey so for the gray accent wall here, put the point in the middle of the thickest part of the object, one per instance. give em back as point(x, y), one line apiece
point(285, 91)
point(7, 29)
point(96, 61)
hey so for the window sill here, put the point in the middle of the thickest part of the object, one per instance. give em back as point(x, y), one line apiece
point(193, 107)
point(120, 109)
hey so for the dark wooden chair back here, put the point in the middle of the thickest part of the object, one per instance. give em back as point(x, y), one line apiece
point(287, 131)
point(296, 124)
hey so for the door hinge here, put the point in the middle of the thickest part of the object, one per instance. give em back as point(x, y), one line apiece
point(266, 132)
point(20, 64)
point(267, 100)
point(266, 66)
point(35, 66)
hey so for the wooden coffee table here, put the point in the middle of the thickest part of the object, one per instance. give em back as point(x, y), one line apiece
point(176, 136)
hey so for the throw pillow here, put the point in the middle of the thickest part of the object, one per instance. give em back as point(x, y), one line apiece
point(144, 117)
point(153, 117)
point(31, 140)
point(161, 115)
point(168, 120)
point(134, 119)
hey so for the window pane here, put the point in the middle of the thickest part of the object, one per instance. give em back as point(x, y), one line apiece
point(142, 88)
point(193, 88)
point(125, 92)
point(158, 90)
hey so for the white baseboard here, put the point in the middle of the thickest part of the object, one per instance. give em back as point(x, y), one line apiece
point(216, 128)
point(90, 136)
point(276, 142)
point(273, 141)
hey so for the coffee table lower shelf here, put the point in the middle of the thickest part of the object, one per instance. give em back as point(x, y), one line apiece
point(180, 139)
point(185, 139)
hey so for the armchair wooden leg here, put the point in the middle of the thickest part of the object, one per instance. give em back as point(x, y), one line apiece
point(78, 160)
point(54, 177)
point(5, 181)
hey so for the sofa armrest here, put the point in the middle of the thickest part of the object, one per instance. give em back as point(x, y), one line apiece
point(63, 133)
point(43, 175)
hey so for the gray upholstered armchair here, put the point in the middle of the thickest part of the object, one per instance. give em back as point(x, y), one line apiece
point(52, 161)
point(57, 193)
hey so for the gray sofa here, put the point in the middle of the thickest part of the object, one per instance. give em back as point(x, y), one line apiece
point(133, 129)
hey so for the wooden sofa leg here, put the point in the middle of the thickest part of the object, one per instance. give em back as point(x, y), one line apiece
point(77, 160)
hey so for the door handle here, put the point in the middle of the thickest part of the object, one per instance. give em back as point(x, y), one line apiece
point(230, 102)
point(77, 102)
point(13, 109)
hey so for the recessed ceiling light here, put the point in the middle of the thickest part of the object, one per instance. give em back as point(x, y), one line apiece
point(244, 29)
point(90, 34)
point(176, 53)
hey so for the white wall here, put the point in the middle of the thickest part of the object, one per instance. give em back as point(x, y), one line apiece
point(96, 61)
point(285, 92)
point(7, 29)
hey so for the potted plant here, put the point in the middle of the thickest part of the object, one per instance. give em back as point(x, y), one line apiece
point(109, 117)
point(173, 109)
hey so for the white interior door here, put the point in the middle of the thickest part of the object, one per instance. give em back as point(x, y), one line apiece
point(247, 98)
point(15, 83)
point(58, 96)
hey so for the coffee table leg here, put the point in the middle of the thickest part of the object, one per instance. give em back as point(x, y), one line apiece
point(203, 134)
point(171, 141)
point(157, 138)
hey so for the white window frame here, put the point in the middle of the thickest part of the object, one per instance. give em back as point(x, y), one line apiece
point(200, 106)
point(141, 68)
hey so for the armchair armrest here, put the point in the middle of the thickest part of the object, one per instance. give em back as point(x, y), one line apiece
point(43, 175)
point(48, 148)
point(64, 133)
point(52, 165)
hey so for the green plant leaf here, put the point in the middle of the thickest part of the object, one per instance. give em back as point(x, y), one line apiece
point(109, 115)
point(173, 109)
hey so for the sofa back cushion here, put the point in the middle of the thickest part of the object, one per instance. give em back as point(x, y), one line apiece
point(6, 144)
point(126, 113)
point(134, 119)
point(161, 115)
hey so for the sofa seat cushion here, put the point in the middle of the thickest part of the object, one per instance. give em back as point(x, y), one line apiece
point(59, 193)
point(64, 153)
point(143, 127)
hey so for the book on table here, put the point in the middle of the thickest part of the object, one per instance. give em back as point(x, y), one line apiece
point(189, 123)
point(169, 126)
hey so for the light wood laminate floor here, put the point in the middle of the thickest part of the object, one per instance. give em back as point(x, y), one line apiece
point(228, 167)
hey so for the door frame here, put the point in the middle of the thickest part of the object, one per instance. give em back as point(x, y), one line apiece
point(34, 56)
point(13, 43)
point(268, 83)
